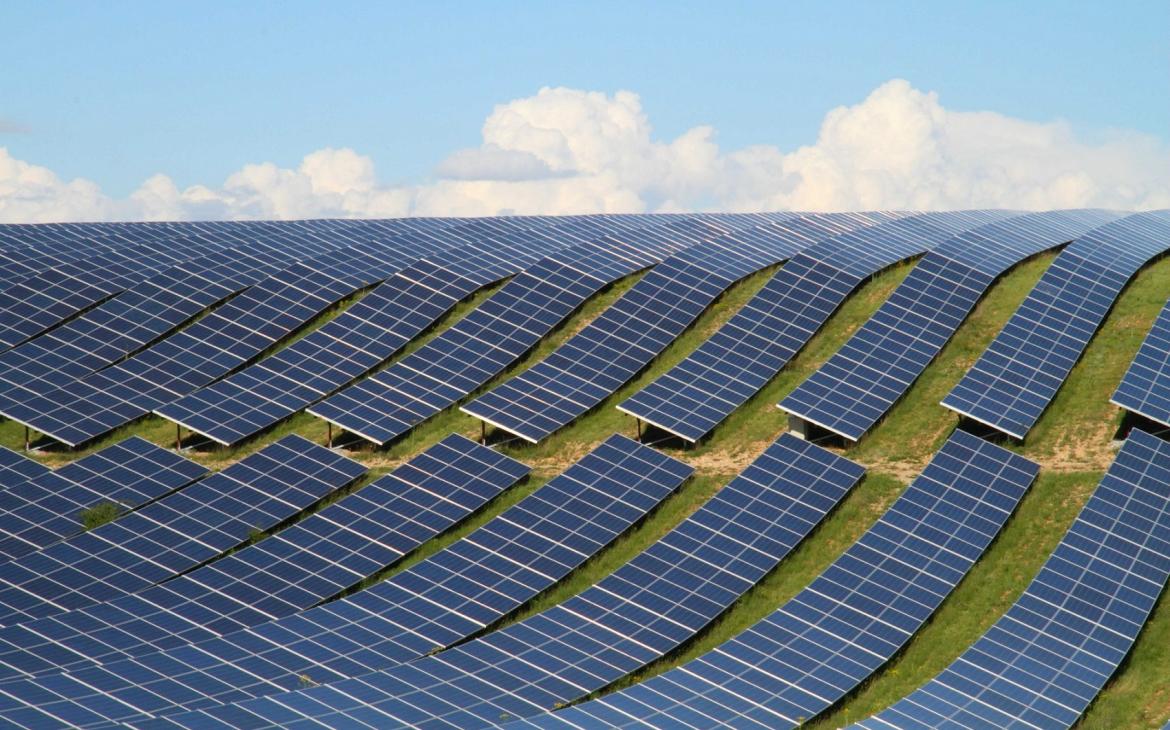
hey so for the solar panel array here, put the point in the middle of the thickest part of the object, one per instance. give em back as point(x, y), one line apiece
point(146, 312)
point(173, 534)
point(208, 349)
point(32, 305)
point(49, 508)
point(494, 335)
point(1019, 374)
point(745, 353)
point(443, 599)
point(643, 610)
point(132, 320)
point(1046, 659)
point(298, 567)
point(862, 381)
point(17, 468)
point(349, 346)
point(855, 616)
point(611, 349)
point(1145, 389)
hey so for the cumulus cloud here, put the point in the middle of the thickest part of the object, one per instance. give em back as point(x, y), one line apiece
point(570, 151)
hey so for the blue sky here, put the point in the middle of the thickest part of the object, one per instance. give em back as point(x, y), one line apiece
point(116, 92)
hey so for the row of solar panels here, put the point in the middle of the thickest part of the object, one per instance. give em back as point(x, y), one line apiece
point(100, 370)
point(427, 693)
point(236, 642)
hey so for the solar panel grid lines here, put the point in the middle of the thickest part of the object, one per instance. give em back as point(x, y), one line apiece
point(879, 363)
point(483, 343)
point(620, 342)
point(49, 508)
point(361, 338)
point(443, 599)
point(1012, 383)
point(854, 617)
point(223, 340)
point(87, 280)
point(217, 343)
point(1043, 662)
point(294, 569)
point(638, 613)
point(16, 469)
point(174, 534)
point(697, 394)
point(1145, 388)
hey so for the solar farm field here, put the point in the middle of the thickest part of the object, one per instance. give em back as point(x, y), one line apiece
point(883, 469)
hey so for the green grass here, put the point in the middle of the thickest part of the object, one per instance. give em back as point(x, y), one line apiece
point(1071, 441)
point(98, 515)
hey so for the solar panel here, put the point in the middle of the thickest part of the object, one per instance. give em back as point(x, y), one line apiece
point(361, 338)
point(1046, 659)
point(745, 353)
point(132, 320)
point(16, 468)
point(1145, 389)
point(855, 616)
point(490, 338)
point(611, 349)
point(862, 381)
point(640, 612)
point(443, 599)
point(298, 567)
point(174, 534)
point(39, 302)
point(128, 474)
point(208, 349)
point(1020, 372)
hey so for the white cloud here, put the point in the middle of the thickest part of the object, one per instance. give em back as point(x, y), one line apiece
point(568, 151)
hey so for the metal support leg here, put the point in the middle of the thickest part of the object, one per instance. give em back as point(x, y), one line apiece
point(178, 437)
point(483, 433)
point(639, 422)
point(328, 434)
point(27, 440)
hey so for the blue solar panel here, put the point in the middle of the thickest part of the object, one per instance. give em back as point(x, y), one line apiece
point(442, 600)
point(1145, 389)
point(1020, 372)
point(609, 351)
point(174, 534)
point(745, 353)
point(17, 469)
point(315, 559)
point(133, 319)
point(490, 338)
point(49, 508)
point(351, 345)
point(1046, 659)
point(211, 347)
point(635, 615)
point(37, 303)
point(863, 380)
point(854, 617)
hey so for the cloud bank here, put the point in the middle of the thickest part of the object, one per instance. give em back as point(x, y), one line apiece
point(571, 151)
